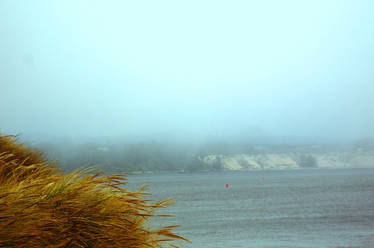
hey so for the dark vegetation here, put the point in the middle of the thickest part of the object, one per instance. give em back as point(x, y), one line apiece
point(42, 207)
point(307, 161)
point(126, 158)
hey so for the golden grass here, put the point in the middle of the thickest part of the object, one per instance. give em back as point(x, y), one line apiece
point(42, 207)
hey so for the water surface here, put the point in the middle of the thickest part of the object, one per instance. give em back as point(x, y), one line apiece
point(273, 209)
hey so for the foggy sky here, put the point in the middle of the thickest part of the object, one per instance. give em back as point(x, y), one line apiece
point(148, 68)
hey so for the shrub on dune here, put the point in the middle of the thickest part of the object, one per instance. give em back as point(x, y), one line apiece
point(42, 207)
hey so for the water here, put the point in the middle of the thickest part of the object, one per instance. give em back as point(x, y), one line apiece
point(272, 209)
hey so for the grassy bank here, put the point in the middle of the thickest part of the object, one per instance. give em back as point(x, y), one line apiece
point(40, 206)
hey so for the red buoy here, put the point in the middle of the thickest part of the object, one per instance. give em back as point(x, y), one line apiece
point(227, 185)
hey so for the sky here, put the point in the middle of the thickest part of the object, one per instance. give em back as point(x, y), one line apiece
point(187, 68)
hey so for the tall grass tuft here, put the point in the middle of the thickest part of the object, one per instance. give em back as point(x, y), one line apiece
point(42, 207)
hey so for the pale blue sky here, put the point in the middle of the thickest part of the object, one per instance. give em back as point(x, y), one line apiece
point(98, 68)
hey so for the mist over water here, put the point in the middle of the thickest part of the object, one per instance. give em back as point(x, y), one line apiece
point(189, 96)
point(187, 70)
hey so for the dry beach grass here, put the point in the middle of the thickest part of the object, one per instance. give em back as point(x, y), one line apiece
point(42, 207)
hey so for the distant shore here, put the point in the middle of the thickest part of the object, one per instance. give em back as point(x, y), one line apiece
point(352, 159)
point(149, 158)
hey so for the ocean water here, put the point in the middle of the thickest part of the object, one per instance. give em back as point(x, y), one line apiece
point(272, 209)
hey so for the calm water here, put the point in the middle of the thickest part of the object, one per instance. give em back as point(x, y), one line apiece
point(298, 208)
